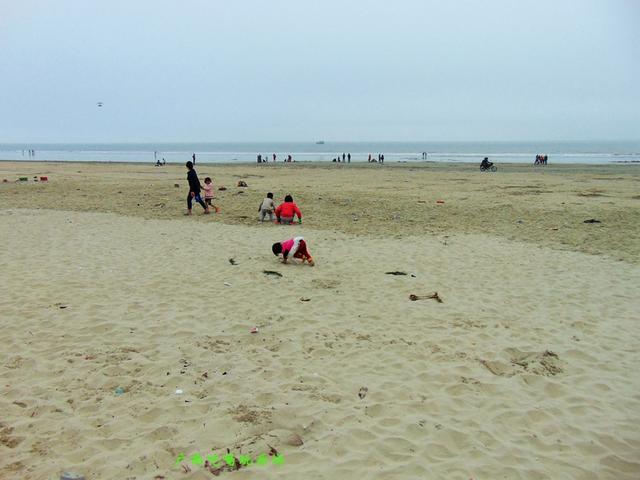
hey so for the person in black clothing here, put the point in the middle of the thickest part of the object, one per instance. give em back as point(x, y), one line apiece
point(194, 158)
point(486, 163)
point(194, 189)
point(348, 158)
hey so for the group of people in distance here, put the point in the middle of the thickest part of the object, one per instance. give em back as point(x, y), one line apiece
point(541, 160)
point(373, 160)
point(264, 159)
point(346, 158)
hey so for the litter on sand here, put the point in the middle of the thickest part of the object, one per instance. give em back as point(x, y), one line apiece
point(395, 273)
point(592, 220)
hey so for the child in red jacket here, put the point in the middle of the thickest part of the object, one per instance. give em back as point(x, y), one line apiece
point(287, 210)
point(294, 247)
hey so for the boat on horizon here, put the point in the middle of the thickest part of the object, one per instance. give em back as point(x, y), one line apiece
point(320, 142)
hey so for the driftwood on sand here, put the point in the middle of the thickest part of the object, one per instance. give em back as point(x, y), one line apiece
point(433, 296)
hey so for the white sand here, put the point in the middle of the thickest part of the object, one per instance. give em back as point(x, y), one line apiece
point(456, 390)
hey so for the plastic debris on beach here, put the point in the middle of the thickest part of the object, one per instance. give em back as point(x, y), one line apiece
point(179, 392)
point(232, 261)
point(303, 299)
point(119, 391)
point(71, 476)
point(592, 220)
point(254, 330)
point(363, 392)
point(395, 273)
point(226, 284)
point(430, 296)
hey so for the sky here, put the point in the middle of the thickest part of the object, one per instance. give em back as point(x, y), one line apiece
point(304, 70)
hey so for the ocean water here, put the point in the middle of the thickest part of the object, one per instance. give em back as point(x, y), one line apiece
point(473, 152)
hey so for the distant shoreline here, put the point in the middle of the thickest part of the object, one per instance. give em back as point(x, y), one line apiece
point(325, 163)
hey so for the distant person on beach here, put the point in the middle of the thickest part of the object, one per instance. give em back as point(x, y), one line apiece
point(486, 163)
point(424, 155)
point(194, 189)
point(369, 158)
point(259, 158)
point(208, 194)
point(293, 248)
point(267, 207)
point(382, 158)
point(287, 210)
point(343, 157)
point(194, 158)
point(274, 157)
point(348, 158)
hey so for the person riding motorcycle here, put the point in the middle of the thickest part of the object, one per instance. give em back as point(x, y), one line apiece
point(485, 164)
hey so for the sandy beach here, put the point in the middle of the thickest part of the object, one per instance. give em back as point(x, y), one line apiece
point(112, 301)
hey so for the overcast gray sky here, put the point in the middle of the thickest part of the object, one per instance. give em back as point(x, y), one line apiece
point(297, 70)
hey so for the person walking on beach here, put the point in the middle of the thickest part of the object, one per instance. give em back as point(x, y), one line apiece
point(208, 194)
point(194, 189)
point(194, 158)
point(343, 157)
point(274, 157)
point(348, 158)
